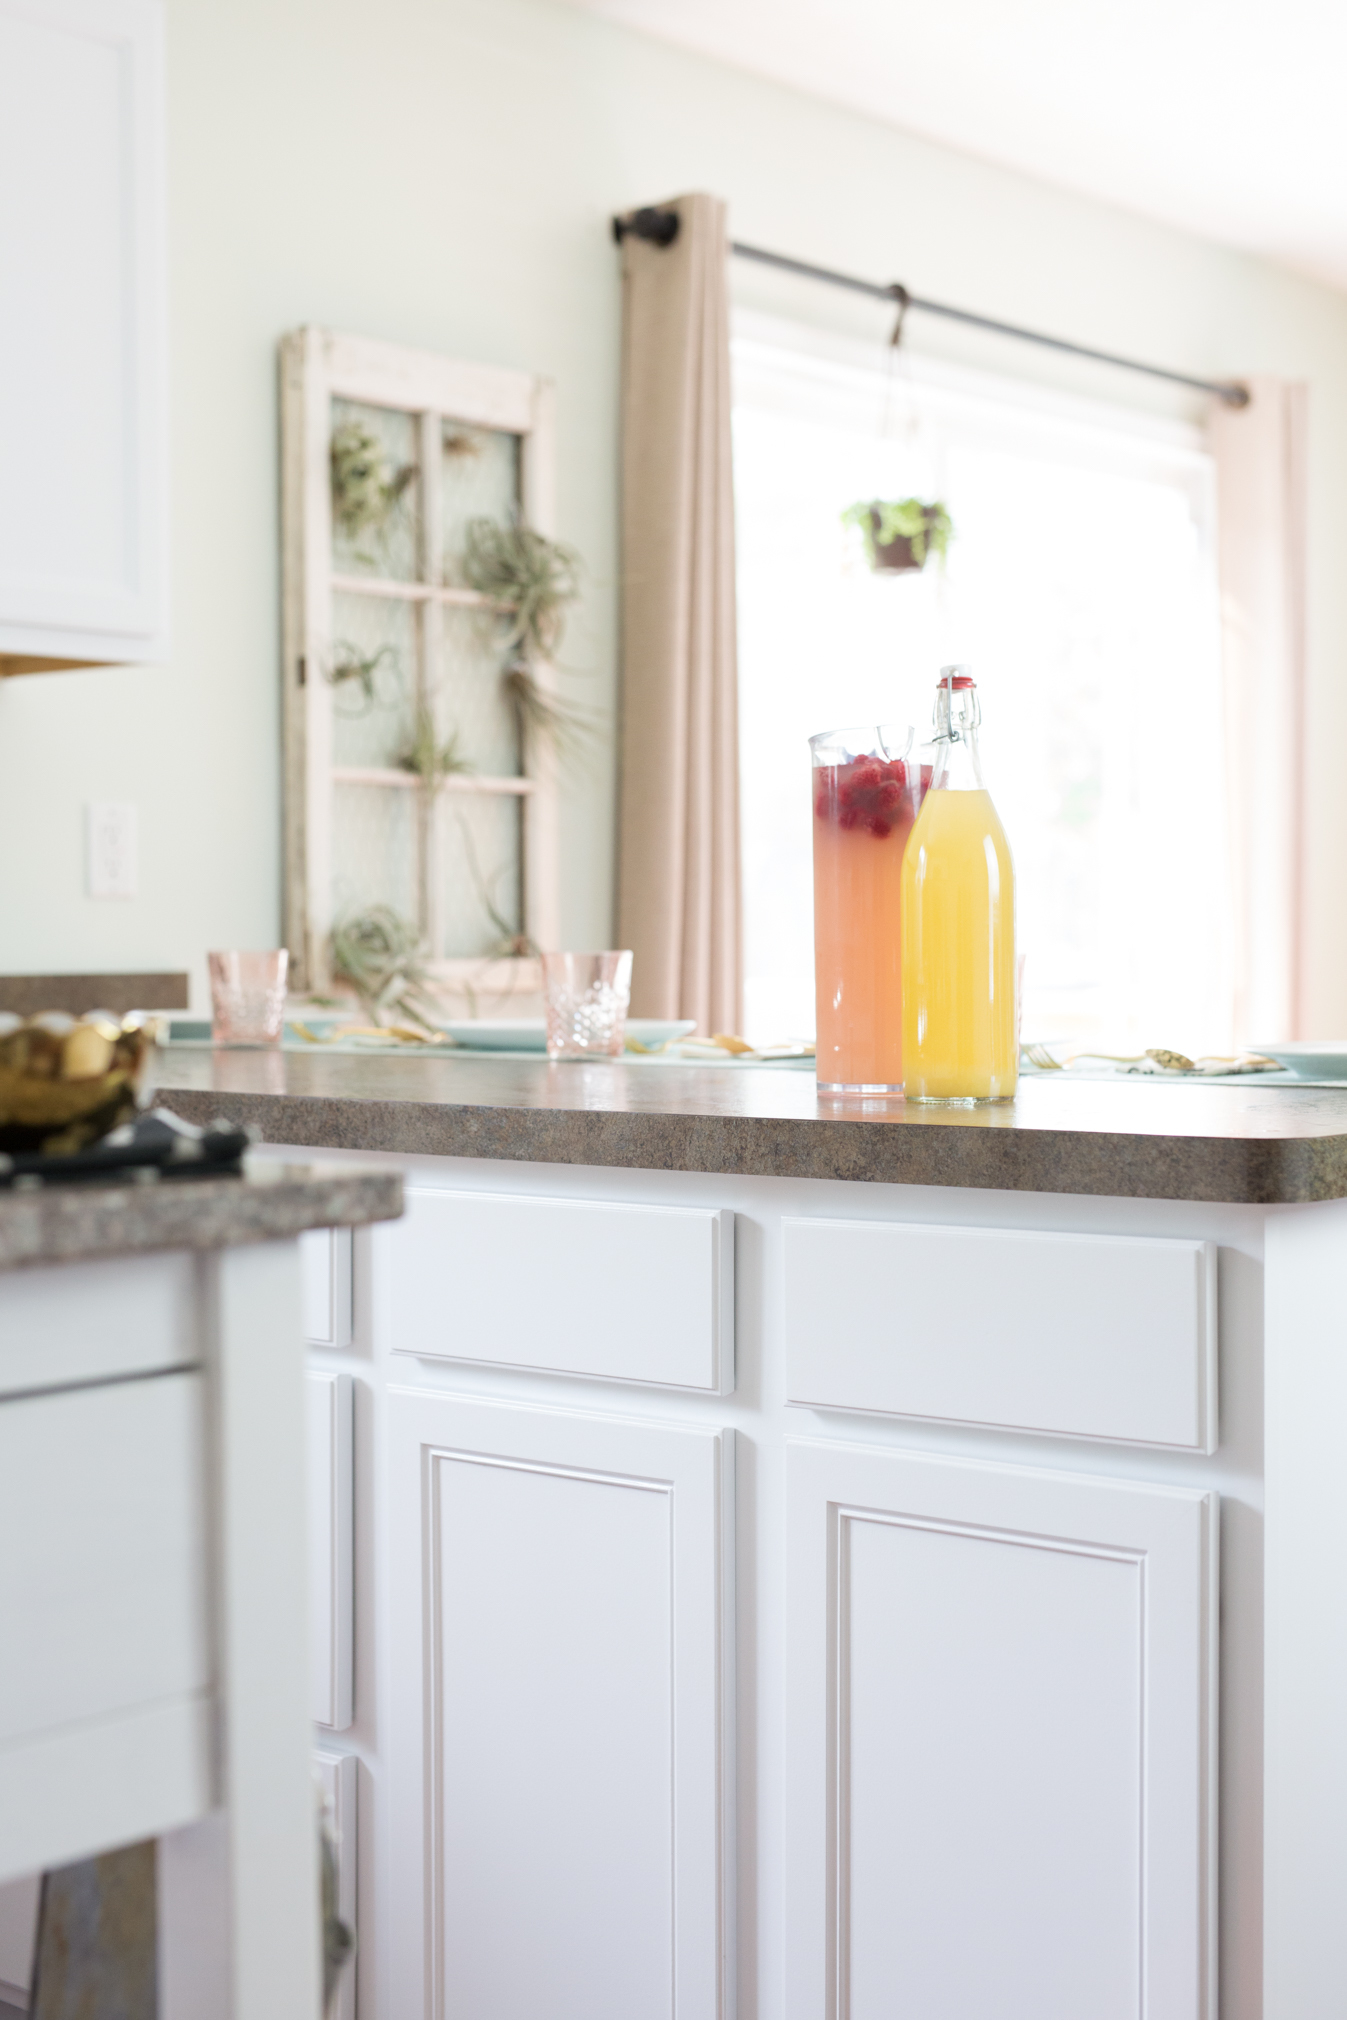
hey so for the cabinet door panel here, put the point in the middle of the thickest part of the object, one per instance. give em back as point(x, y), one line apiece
point(561, 1659)
point(82, 380)
point(105, 1667)
point(1002, 1731)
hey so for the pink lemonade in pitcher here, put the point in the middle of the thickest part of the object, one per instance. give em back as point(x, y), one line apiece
point(865, 803)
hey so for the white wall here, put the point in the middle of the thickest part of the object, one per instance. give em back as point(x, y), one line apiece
point(441, 172)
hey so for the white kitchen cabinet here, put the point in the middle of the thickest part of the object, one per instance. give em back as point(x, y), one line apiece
point(561, 1780)
point(1001, 1742)
point(83, 380)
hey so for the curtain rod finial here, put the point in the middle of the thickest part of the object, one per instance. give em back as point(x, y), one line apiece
point(656, 227)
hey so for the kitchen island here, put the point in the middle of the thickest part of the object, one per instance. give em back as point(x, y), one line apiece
point(825, 1558)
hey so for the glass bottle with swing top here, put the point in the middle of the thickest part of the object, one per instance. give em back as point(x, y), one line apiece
point(960, 1033)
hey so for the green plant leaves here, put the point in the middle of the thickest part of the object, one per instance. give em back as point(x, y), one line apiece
point(532, 580)
point(882, 521)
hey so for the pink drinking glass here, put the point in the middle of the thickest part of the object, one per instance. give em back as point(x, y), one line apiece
point(247, 996)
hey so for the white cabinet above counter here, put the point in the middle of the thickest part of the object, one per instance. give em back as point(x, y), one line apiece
point(83, 366)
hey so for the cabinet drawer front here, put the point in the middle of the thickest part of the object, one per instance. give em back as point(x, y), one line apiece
point(103, 1571)
point(91, 1321)
point(571, 1287)
point(1085, 1336)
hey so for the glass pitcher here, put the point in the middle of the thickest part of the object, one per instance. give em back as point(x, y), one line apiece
point(868, 786)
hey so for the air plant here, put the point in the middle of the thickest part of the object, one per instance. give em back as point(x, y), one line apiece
point(511, 942)
point(900, 532)
point(350, 666)
point(383, 957)
point(532, 582)
point(538, 713)
point(430, 759)
point(366, 489)
point(461, 441)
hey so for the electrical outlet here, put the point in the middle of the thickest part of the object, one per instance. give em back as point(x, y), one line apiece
point(110, 833)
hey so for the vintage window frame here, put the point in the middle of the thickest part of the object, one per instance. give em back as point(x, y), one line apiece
point(318, 366)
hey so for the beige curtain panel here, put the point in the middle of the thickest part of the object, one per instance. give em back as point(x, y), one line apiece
point(1261, 482)
point(678, 901)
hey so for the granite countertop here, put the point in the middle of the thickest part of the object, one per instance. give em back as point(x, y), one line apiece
point(74, 1223)
point(1263, 1145)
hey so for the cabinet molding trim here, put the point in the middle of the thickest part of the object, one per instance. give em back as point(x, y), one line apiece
point(331, 1462)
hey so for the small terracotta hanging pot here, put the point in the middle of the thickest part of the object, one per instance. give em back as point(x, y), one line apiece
point(895, 557)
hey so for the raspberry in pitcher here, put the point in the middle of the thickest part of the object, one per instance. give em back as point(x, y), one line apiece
point(867, 788)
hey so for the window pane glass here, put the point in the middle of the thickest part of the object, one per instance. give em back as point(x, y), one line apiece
point(372, 673)
point(386, 544)
point(473, 697)
point(479, 479)
point(374, 849)
point(479, 858)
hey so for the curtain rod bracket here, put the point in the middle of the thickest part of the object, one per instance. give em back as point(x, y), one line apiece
point(656, 227)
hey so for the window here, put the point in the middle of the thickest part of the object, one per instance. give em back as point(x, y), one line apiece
point(1080, 586)
point(411, 783)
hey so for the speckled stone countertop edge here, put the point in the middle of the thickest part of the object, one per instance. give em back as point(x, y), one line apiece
point(88, 1221)
point(1127, 1165)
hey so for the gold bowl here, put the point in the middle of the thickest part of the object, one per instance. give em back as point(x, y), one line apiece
point(66, 1081)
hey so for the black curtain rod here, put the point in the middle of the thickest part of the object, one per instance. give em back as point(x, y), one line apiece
point(660, 227)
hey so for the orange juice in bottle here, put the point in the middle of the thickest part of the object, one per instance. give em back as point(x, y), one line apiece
point(960, 1041)
point(867, 788)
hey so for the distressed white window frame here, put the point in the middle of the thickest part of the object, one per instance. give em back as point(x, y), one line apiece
point(318, 366)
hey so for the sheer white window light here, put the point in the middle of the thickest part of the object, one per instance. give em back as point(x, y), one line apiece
point(1080, 586)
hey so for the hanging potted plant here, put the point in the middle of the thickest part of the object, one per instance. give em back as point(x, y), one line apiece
point(901, 534)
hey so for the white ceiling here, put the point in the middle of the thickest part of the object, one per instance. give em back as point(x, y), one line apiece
point(1225, 117)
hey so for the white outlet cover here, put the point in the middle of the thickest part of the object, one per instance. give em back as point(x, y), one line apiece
point(110, 836)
